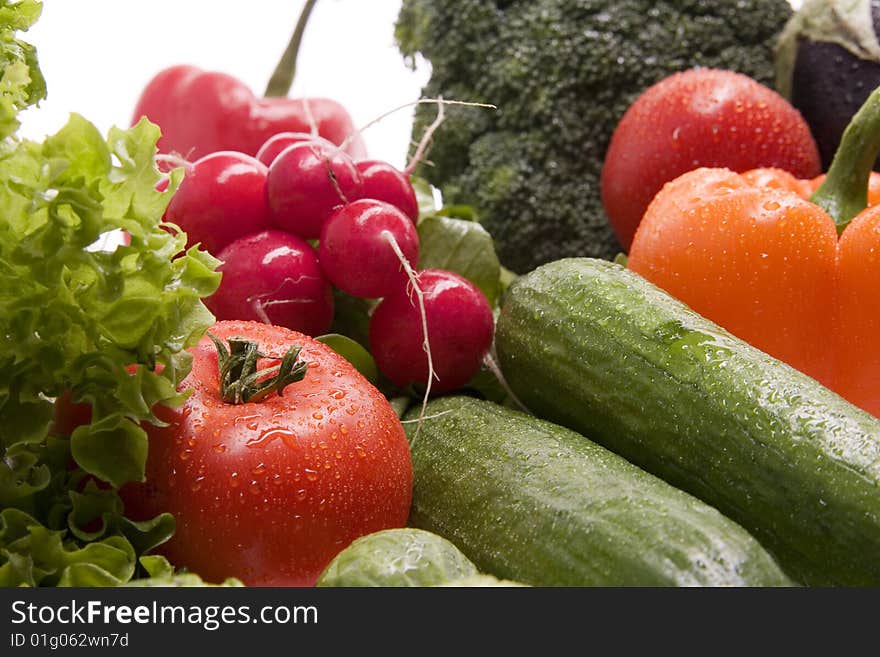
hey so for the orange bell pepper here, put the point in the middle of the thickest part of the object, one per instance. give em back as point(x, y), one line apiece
point(759, 254)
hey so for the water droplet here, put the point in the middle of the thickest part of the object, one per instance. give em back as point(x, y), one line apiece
point(317, 415)
point(197, 484)
point(219, 448)
point(301, 494)
point(233, 480)
point(268, 436)
point(185, 454)
point(311, 475)
point(260, 470)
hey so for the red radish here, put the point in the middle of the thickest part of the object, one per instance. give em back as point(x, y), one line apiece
point(306, 182)
point(273, 277)
point(385, 183)
point(222, 197)
point(277, 143)
point(356, 252)
point(459, 325)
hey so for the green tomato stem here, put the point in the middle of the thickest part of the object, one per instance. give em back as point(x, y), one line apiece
point(844, 193)
point(242, 382)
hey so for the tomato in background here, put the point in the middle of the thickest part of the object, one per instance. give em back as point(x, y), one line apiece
point(699, 118)
point(270, 491)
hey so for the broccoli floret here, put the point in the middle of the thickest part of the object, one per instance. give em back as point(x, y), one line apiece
point(562, 73)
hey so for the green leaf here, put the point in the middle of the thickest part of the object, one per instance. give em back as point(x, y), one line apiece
point(144, 535)
point(21, 83)
point(38, 556)
point(351, 317)
point(157, 566)
point(424, 197)
point(463, 247)
point(463, 212)
point(354, 353)
point(125, 440)
point(161, 573)
point(80, 150)
point(29, 423)
point(21, 474)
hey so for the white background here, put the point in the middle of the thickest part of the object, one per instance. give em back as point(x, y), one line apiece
point(98, 55)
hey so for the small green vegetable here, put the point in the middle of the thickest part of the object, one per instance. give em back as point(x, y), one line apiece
point(398, 557)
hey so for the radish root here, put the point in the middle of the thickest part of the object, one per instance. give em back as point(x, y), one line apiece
point(426, 344)
point(420, 101)
point(425, 141)
point(492, 365)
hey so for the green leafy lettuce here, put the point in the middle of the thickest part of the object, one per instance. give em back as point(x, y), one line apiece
point(98, 321)
point(21, 83)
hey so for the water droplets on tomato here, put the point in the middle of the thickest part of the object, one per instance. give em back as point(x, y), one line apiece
point(250, 421)
point(271, 435)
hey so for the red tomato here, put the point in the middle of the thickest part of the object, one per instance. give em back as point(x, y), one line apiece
point(271, 491)
point(699, 118)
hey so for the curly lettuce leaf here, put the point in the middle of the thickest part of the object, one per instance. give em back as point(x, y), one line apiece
point(79, 319)
point(21, 82)
point(103, 326)
point(35, 555)
point(162, 573)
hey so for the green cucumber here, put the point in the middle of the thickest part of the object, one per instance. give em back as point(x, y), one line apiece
point(595, 347)
point(533, 502)
point(402, 557)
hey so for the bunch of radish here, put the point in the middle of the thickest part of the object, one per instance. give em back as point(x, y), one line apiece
point(261, 216)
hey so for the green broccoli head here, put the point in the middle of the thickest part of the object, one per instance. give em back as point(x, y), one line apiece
point(561, 73)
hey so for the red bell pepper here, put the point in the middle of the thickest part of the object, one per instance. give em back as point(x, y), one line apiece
point(201, 112)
